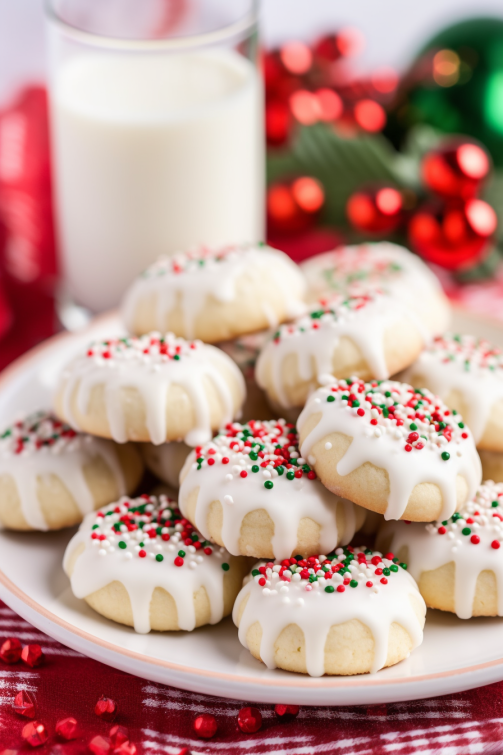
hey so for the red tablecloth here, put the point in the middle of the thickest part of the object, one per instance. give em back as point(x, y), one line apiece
point(160, 719)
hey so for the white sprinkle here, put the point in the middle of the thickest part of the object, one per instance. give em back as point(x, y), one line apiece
point(328, 446)
point(228, 499)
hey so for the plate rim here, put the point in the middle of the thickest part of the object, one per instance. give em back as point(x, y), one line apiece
point(303, 681)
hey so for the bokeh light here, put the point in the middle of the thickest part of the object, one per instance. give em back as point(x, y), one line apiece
point(389, 201)
point(446, 65)
point(385, 79)
point(481, 217)
point(473, 161)
point(296, 57)
point(308, 193)
point(370, 115)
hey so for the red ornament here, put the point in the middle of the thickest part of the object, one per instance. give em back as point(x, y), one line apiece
point(118, 735)
point(286, 710)
point(369, 115)
point(375, 211)
point(32, 655)
point(99, 745)
point(294, 206)
point(24, 704)
point(456, 170)
point(126, 748)
point(345, 43)
point(35, 734)
point(249, 720)
point(205, 726)
point(277, 122)
point(106, 708)
point(454, 235)
point(10, 651)
point(66, 728)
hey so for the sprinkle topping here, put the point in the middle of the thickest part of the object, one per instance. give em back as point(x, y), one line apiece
point(151, 527)
point(197, 260)
point(268, 449)
point(344, 569)
point(469, 353)
point(480, 522)
point(152, 348)
point(360, 268)
point(415, 418)
point(40, 431)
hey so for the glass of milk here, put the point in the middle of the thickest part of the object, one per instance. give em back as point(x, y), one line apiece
point(157, 134)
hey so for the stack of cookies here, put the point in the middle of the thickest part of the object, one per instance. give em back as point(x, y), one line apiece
point(265, 392)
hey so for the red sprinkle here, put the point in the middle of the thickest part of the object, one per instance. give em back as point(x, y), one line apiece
point(475, 539)
point(340, 588)
point(495, 544)
point(179, 561)
point(243, 473)
point(441, 530)
point(205, 726)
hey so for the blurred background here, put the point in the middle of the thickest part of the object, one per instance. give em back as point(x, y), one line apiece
point(382, 121)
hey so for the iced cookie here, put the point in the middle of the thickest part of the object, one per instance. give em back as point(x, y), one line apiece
point(458, 562)
point(249, 490)
point(352, 612)
point(244, 350)
point(51, 476)
point(385, 267)
point(216, 294)
point(166, 460)
point(153, 388)
point(370, 336)
point(390, 448)
point(467, 373)
point(138, 562)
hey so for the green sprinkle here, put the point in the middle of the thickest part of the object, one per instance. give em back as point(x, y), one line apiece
point(404, 566)
point(176, 357)
point(181, 553)
point(330, 399)
point(494, 504)
point(255, 468)
point(446, 456)
point(280, 469)
point(329, 588)
point(386, 572)
point(455, 516)
point(353, 583)
point(255, 573)
point(290, 475)
point(225, 567)
point(96, 526)
point(122, 544)
point(253, 456)
point(394, 567)
point(356, 403)
point(461, 425)
point(142, 545)
point(159, 557)
point(388, 394)
point(466, 531)
point(268, 484)
point(413, 426)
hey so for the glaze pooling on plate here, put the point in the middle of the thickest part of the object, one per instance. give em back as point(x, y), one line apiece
point(314, 337)
point(145, 543)
point(322, 591)
point(408, 432)
point(189, 278)
point(151, 364)
point(471, 539)
point(378, 266)
point(472, 366)
point(39, 446)
point(258, 466)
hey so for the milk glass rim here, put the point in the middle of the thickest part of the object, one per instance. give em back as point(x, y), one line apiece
point(240, 28)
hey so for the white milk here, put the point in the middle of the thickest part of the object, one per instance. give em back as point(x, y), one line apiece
point(152, 154)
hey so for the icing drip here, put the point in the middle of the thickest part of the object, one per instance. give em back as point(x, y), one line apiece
point(377, 266)
point(320, 592)
point(408, 432)
point(314, 337)
point(145, 543)
point(466, 364)
point(258, 466)
point(190, 278)
point(39, 446)
point(471, 539)
point(152, 364)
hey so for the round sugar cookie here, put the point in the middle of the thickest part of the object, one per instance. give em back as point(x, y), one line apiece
point(390, 448)
point(139, 563)
point(385, 267)
point(51, 476)
point(467, 373)
point(370, 336)
point(216, 294)
point(351, 612)
point(166, 460)
point(244, 350)
point(457, 562)
point(152, 388)
point(249, 490)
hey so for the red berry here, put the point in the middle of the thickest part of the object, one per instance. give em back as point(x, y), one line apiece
point(286, 710)
point(10, 651)
point(35, 733)
point(249, 720)
point(205, 726)
point(106, 708)
point(118, 735)
point(475, 539)
point(66, 728)
point(99, 745)
point(495, 544)
point(24, 704)
point(32, 655)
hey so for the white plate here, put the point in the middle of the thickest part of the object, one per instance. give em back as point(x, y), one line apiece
point(456, 655)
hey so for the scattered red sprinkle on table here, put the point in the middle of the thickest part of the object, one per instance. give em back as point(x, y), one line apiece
point(249, 720)
point(286, 710)
point(99, 745)
point(205, 726)
point(10, 651)
point(35, 734)
point(24, 704)
point(32, 655)
point(66, 728)
point(106, 708)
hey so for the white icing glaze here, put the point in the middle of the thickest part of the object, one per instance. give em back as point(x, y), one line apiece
point(142, 568)
point(314, 337)
point(279, 597)
point(229, 470)
point(470, 365)
point(152, 364)
point(190, 278)
point(378, 266)
point(476, 550)
point(166, 460)
point(39, 446)
point(410, 455)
